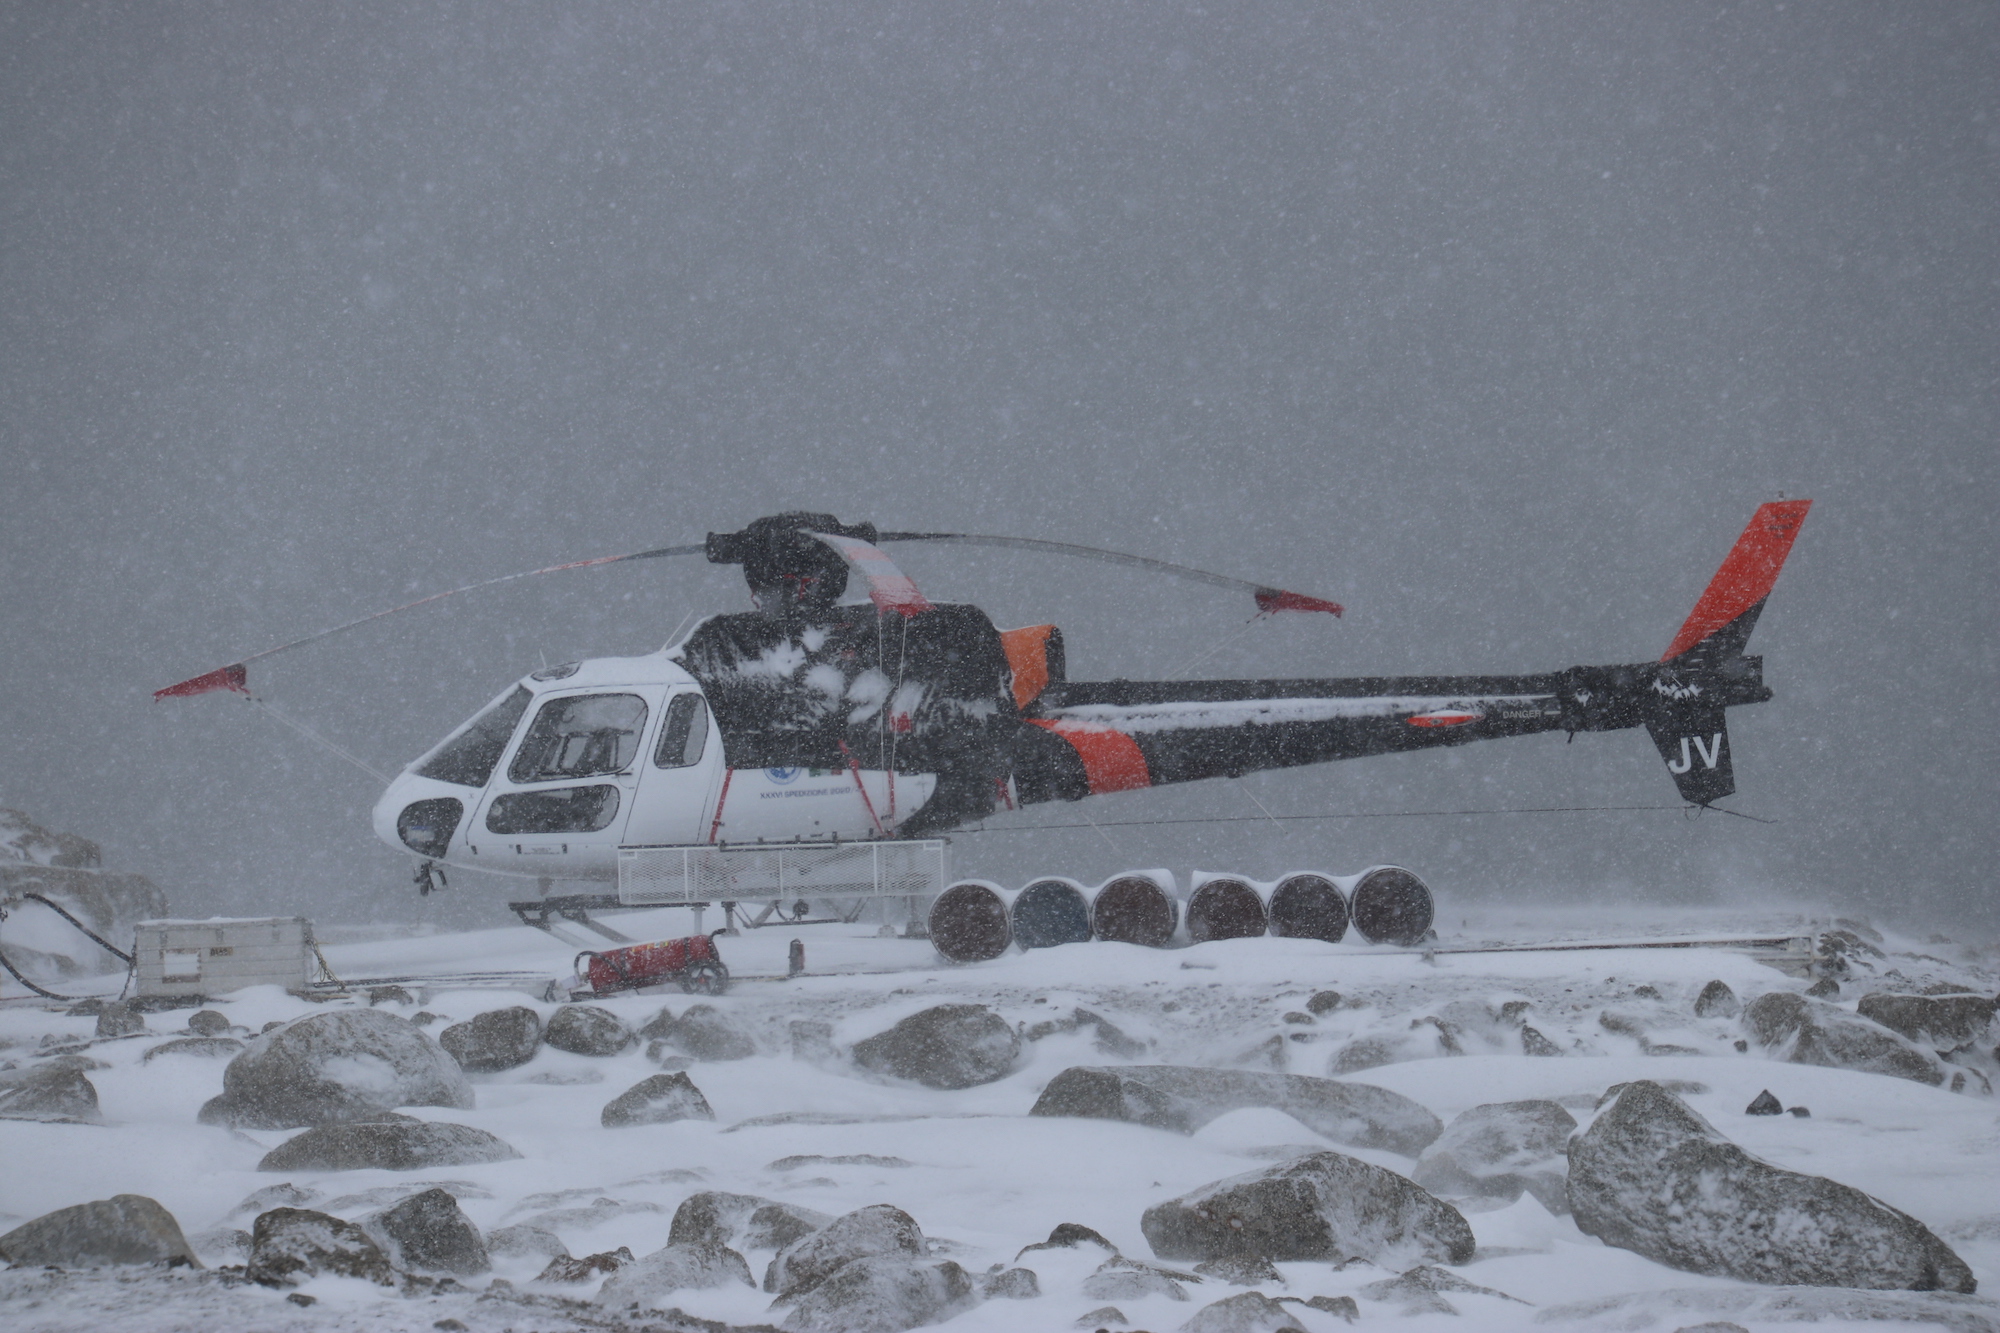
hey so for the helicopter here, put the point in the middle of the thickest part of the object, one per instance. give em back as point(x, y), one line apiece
point(814, 717)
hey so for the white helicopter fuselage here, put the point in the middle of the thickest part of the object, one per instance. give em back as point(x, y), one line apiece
point(575, 762)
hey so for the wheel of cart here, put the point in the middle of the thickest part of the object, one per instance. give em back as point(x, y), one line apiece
point(705, 976)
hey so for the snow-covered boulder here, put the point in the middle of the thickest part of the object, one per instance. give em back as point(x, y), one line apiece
point(66, 869)
point(948, 1046)
point(1717, 1001)
point(1240, 1270)
point(206, 1048)
point(658, 1100)
point(347, 1064)
point(1941, 1022)
point(704, 1032)
point(47, 1091)
point(698, 1266)
point(1652, 1176)
point(523, 1240)
point(1245, 1312)
point(1420, 1291)
point(1010, 1284)
point(496, 1040)
point(588, 1029)
point(428, 1232)
point(1812, 1032)
point(743, 1220)
point(1185, 1098)
point(290, 1245)
point(877, 1230)
point(1326, 1206)
point(391, 1145)
point(123, 1229)
point(882, 1293)
point(1119, 1279)
point(1500, 1149)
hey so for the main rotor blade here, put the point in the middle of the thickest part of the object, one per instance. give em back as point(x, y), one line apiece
point(1268, 598)
point(232, 677)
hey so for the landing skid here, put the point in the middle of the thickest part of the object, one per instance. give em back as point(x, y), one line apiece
point(555, 915)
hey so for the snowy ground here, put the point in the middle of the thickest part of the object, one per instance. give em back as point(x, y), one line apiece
point(981, 1175)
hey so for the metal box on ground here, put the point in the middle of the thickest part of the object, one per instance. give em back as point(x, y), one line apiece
point(221, 955)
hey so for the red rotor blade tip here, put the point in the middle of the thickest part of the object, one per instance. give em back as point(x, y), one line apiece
point(231, 677)
point(1277, 599)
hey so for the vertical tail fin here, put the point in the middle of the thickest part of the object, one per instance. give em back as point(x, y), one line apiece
point(1728, 609)
point(1695, 744)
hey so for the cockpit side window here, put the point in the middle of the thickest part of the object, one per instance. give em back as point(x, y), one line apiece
point(468, 758)
point(580, 736)
point(683, 734)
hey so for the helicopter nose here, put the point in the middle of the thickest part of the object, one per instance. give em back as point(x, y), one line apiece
point(412, 819)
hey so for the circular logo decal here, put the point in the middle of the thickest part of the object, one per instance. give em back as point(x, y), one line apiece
point(783, 776)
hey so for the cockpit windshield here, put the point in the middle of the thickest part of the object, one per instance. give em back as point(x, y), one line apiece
point(468, 758)
point(580, 736)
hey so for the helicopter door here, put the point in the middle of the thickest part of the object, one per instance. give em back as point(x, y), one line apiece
point(677, 783)
point(570, 784)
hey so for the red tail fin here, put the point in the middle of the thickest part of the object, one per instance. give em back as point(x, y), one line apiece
point(1746, 576)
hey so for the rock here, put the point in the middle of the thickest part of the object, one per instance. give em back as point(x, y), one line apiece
point(1713, 1326)
point(1181, 1098)
point(1109, 1037)
point(428, 1233)
point(384, 1196)
point(117, 1020)
point(706, 1033)
point(1826, 988)
point(1418, 1291)
point(24, 842)
point(713, 1217)
point(1764, 1104)
point(648, 1282)
point(1324, 1206)
point(1069, 1236)
point(1245, 1312)
point(123, 1229)
point(1323, 1002)
point(877, 1230)
point(1941, 1022)
point(290, 1245)
point(525, 1241)
point(658, 1026)
point(1534, 1043)
point(948, 1046)
point(658, 1100)
point(496, 1040)
point(221, 1245)
point(776, 1225)
point(390, 994)
point(1499, 1150)
point(588, 1029)
point(1811, 1032)
point(882, 1293)
point(208, 1048)
point(586, 1268)
point(208, 1023)
point(1010, 1284)
point(591, 1216)
point(801, 1160)
point(1101, 1318)
point(1298, 1017)
point(1800, 1113)
point(423, 1018)
point(1340, 1306)
point(282, 1195)
point(47, 1091)
point(1653, 1177)
point(347, 1064)
point(399, 1145)
point(1240, 1270)
point(1114, 1281)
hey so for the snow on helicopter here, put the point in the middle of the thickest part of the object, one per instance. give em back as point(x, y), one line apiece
point(812, 719)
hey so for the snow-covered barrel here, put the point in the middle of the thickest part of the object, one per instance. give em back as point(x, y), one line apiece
point(1224, 908)
point(968, 922)
point(1391, 906)
point(1136, 909)
point(1049, 912)
point(1308, 907)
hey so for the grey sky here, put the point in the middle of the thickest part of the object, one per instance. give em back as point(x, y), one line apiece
point(1494, 323)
